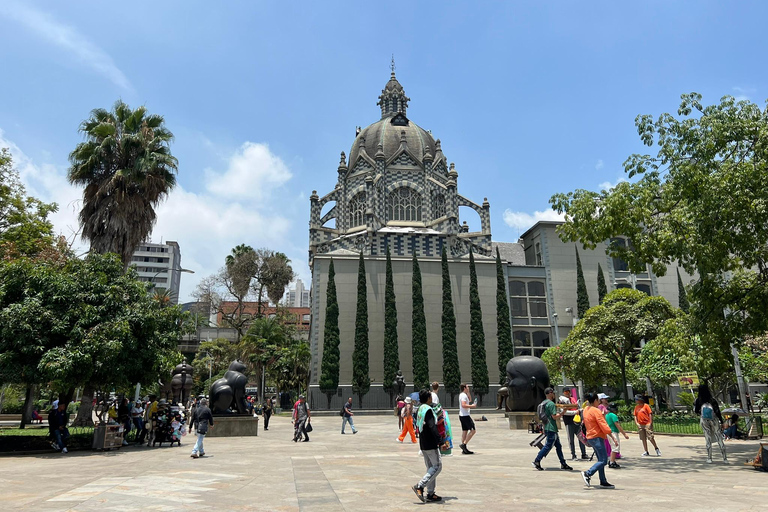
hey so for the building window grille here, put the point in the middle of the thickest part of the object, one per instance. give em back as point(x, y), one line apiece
point(618, 263)
point(527, 299)
point(404, 204)
point(439, 205)
point(357, 210)
point(529, 343)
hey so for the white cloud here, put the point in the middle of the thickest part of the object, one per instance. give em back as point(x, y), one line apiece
point(743, 93)
point(523, 220)
point(68, 39)
point(206, 224)
point(607, 185)
point(253, 172)
point(599, 165)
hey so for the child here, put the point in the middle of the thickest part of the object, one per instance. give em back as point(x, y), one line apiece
point(613, 421)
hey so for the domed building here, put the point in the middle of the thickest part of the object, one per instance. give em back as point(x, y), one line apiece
point(397, 191)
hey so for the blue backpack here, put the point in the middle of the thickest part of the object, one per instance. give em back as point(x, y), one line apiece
point(707, 412)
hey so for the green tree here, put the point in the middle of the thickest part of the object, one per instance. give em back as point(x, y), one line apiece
point(262, 346)
point(602, 289)
point(477, 334)
point(24, 226)
point(611, 333)
point(419, 347)
point(451, 369)
point(682, 300)
point(126, 167)
point(503, 327)
point(697, 202)
point(361, 380)
point(391, 353)
point(582, 296)
point(329, 367)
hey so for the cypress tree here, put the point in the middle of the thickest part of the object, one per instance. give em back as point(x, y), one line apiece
point(602, 289)
point(419, 333)
point(682, 300)
point(503, 328)
point(477, 334)
point(361, 381)
point(391, 355)
point(451, 370)
point(582, 297)
point(329, 368)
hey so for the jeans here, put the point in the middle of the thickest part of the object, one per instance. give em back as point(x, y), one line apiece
point(573, 429)
point(552, 440)
point(198, 449)
point(61, 437)
point(301, 429)
point(434, 463)
point(730, 431)
point(711, 430)
point(598, 443)
point(345, 420)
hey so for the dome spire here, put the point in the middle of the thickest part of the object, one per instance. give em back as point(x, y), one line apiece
point(392, 99)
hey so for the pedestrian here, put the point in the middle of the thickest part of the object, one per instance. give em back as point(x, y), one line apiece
point(150, 412)
point(399, 412)
point(430, 443)
point(137, 416)
point(435, 388)
point(644, 421)
point(603, 406)
point(57, 427)
point(711, 420)
point(124, 417)
point(613, 422)
point(467, 424)
point(571, 427)
point(550, 430)
point(731, 427)
point(346, 416)
point(597, 430)
point(202, 420)
point(301, 418)
point(267, 412)
point(407, 416)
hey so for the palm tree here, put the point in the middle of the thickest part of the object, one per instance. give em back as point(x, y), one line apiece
point(126, 167)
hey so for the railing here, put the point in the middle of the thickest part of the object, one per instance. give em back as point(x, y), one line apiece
point(663, 425)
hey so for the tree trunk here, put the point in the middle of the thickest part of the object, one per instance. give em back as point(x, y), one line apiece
point(29, 403)
point(85, 412)
point(67, 396)
point(329, 395)
point(624, 382)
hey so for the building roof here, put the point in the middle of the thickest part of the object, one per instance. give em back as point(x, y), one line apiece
point(510, 252)
point(542, 223)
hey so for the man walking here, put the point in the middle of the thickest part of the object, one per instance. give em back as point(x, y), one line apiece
point(467, 424)
point(430, 443)
point(550, 429)
point(644, 421)
point(571, 427)
point(347, 417)
point(301, 417)
point(202, 419)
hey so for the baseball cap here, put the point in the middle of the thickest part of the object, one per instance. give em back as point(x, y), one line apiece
point(408, 400)
point(601, 396)
point(639, 397)
point(549, 390)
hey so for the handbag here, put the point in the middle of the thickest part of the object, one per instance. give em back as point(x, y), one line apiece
point(308, 428)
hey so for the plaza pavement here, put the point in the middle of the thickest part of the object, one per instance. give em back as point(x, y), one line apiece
point(370, 471)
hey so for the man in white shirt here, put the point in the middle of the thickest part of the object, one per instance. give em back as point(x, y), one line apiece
point(571, 427)
point(435, 387)
point(467, 425)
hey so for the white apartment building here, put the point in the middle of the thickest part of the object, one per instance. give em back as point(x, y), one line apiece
point(159, 264)
point(298, 297)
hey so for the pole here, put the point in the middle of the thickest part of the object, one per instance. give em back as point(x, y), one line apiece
point(138, 391)
point(740, 379)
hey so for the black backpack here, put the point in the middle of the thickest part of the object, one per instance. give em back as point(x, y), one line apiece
point(341, 413)
point(541, 412)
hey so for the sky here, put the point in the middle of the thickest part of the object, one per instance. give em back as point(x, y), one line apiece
point(528, 98)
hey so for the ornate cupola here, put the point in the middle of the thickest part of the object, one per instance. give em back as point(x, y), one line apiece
point(393, 99)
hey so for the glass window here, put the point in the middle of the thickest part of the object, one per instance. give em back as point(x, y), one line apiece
point(539, 260)
point(357, 208)
point(404, 204)
point(517, 288)
point(538, 308)
point(540, 339)
point(536, 289)
point(522, 341)
point(438, 203)
point(646, 289)
point(518, 306)
point(618, 263)
point(306, 318)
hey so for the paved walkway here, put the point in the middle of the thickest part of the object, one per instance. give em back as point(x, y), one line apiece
point(371, 472)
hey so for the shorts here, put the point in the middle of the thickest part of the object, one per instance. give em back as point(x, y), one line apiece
point(467, 423)
point(645, 432)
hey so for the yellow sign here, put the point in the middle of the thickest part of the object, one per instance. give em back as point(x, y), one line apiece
point(688, 380)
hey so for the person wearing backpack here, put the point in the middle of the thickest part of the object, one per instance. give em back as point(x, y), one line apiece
point(203, 420)
point(547, 413)
point(711, 420)
point(346, 417)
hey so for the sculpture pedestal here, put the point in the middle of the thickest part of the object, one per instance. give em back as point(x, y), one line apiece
point(519, 420)
point(234, 426)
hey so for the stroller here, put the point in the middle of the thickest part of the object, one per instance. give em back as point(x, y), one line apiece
point(168, 428)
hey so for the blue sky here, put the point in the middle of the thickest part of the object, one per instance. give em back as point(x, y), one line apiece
point(528, 98)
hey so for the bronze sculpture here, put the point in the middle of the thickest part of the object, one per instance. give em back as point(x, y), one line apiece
point(399, 383)
point(527, 377)
point(227, 394)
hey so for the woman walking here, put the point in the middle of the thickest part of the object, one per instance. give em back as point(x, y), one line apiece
point(407, 416)
point(597, 430)
point(267, 412)
point(711, 420)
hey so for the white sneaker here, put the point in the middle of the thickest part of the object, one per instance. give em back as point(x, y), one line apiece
point(63, 450)
point(645, 454)
point(658, 452)
point(725, 459)
point(709, 461)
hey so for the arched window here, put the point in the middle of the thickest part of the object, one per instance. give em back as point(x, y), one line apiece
point(357, 206)
point(438, 205)
point(404, 204)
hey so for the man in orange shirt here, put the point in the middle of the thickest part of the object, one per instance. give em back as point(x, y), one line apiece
point(644, 420)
